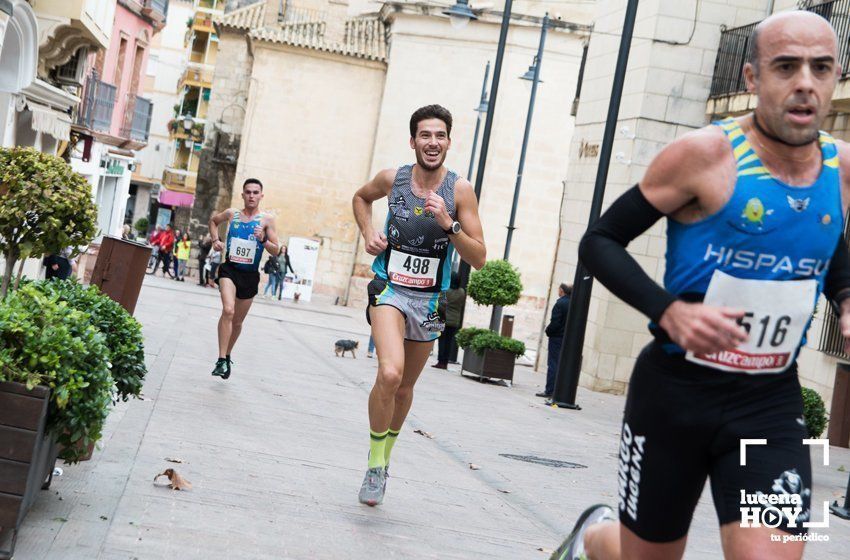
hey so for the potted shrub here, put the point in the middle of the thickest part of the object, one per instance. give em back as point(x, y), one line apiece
point(45, 206)
point(486, 353)
point(814, 412)
point(53, 357)
point(141, 226)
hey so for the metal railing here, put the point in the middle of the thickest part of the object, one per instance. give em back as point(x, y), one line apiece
point(734, 46)
point(137, 118)
point(160, 6)
point(98, 104)
point(831, 340)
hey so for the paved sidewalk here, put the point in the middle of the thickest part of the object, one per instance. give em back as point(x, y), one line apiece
point(276, 455)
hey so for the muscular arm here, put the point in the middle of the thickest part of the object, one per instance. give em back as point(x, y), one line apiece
point(379, 187)
point(271, 242)
point(470, 241)
point(679, 191)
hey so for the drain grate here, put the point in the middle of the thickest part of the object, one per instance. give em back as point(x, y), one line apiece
point(544, 461)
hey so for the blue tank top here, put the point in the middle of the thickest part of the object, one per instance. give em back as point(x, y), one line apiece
point(768, 230)
point(244, 251)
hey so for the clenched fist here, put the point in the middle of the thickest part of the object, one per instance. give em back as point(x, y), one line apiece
point(376, 243)
point(437, 206)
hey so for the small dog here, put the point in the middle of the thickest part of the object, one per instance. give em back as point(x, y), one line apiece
point(343, 346)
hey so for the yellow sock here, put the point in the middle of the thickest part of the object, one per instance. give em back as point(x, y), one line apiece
point(377, 444)
point(392, 435)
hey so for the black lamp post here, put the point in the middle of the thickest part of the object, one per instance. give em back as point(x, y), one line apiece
point(569, 364)
point(532, 74)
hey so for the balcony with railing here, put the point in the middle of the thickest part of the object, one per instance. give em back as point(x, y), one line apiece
point(728, 79)
point(156, 8)
point(196, 75)
point(180, 180)
point(137, 118)
point(98, 104)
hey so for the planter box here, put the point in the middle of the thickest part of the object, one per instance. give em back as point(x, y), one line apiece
point(27, 456)
point(494, 364)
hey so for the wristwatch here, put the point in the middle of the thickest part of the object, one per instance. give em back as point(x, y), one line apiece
point(454, 229)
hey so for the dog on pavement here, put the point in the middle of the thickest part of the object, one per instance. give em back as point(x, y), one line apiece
point(343, 346)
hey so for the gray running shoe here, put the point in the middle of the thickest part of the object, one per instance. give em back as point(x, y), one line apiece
point(374, 486)
point(573, 547)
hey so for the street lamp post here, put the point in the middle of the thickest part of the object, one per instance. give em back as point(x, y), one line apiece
point(534, 75)
point(482, 108)
point(569, 364)
point(465, 269)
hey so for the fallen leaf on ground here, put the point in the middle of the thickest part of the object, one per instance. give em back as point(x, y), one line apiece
point(104, 517)
point(173, 460)
point(473, 466)
point(504, 491)
point(841, 469)
point(176, 482)
point(60, 519)
point(424, 433)
point(546, 550)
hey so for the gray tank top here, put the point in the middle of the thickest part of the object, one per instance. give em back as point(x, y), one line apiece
point(418, 254)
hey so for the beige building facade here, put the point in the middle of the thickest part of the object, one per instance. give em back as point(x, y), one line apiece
point(330, 94)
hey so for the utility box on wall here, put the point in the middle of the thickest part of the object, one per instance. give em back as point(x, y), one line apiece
point(120, 270)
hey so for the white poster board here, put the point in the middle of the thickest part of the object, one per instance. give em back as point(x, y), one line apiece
point(304, 256)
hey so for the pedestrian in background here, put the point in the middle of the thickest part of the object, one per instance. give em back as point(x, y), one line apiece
point(272, 268)
point(59, 265)
point(213, 260)
point(555, 332)
point(455, 297)
point(203, 250)
point(165, 242)
point(184, 249)
point(176, 262)
point(285, 265)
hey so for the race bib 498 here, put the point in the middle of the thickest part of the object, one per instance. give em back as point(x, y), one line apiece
point(412, 271)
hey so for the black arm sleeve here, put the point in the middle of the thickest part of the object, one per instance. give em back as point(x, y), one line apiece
point(836, 287)
point(603, 252)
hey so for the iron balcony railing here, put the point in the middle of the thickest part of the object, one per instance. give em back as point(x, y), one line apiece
point(831, 340)
point(160, 6)
point(734, 46)
point(137, 118)
point(98, 104)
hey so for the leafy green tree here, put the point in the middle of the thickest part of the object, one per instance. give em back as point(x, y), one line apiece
point(45, 206)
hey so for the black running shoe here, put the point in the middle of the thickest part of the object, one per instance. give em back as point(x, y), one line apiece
point(222, 368)
point(229, 366)
point(573, 547)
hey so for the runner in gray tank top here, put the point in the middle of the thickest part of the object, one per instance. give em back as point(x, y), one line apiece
point(432, 212)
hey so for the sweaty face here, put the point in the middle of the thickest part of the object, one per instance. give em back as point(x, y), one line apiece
point(431, 143)
point(252, 194)
point(797, 74)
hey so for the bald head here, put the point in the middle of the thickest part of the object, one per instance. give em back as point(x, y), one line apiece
point(781, 26)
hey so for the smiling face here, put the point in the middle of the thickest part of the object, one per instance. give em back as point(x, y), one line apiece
point(431, 143)
point(794, 75)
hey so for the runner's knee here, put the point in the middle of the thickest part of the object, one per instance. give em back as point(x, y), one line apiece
point(389, 377)
point(228, 310)
point(403, 393)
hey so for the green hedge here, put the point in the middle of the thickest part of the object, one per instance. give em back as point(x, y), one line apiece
point(479, 340)
point(45, 341)
point(814, 412)
point(123, 334)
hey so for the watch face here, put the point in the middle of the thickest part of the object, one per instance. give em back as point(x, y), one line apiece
point(456, 228)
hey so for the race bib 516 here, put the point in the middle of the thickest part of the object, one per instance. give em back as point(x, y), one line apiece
point(777, 313)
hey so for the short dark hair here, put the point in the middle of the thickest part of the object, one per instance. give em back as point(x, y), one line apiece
point(753, 49)
point(430, 112)
point(250, 181)
point(568, 290)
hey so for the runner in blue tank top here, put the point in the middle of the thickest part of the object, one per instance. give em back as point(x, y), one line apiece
point(248, 233)
point(432, 212)
point(755, 212)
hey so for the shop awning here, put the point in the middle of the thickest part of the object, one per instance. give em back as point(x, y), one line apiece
point(173, 198)
point(50, 121)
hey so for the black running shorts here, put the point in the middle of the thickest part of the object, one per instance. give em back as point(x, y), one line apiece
point(685, 422)
point(247, 281)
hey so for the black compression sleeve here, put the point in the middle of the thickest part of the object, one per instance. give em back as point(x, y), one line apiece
point(836, 287)
point(603, 252)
